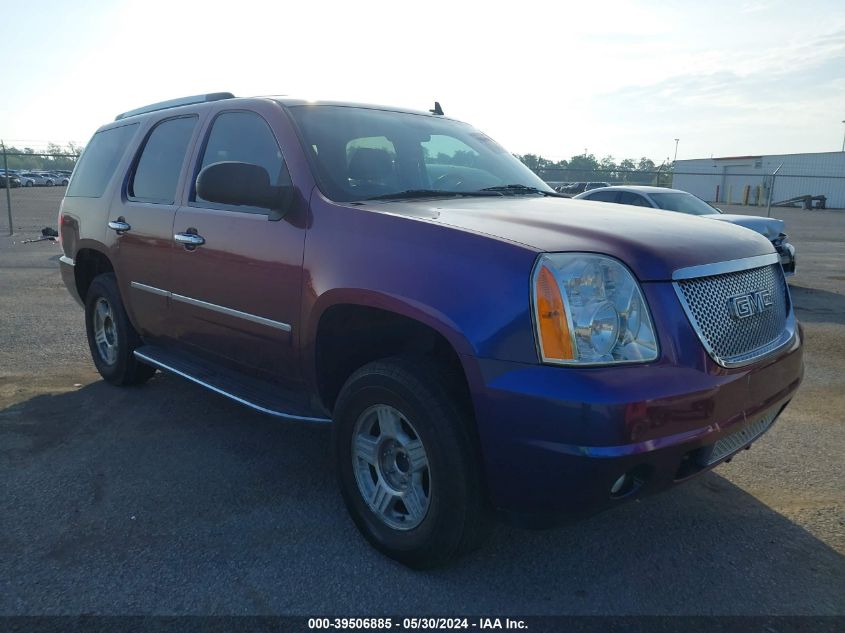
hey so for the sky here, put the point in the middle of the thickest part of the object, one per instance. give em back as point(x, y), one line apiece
point(553, 78)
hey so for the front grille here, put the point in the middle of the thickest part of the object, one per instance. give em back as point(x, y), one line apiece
point(729, 339)
point(732, 443)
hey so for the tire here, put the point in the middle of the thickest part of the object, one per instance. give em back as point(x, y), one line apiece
point(49, 183)
point(29, 183)
point(111, 337)
point(445, 515)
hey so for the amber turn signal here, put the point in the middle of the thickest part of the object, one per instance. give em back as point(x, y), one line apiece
point(555, 338)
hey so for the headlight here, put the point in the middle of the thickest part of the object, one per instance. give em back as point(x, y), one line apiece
point(589, 309)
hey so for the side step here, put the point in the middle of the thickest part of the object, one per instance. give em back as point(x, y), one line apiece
point(252, 392)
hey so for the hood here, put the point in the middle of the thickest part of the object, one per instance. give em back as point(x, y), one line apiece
point(651, 242)
point(768, 227)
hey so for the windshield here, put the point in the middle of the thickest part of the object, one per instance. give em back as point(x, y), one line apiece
point(683, 202)
point(360, 153)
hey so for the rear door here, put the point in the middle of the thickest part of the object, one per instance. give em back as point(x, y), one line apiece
point(236, 297)
point(142, 218)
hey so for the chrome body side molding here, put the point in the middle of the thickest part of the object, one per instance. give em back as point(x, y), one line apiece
point(231, 312)
point(254, 318)
point(152, 289)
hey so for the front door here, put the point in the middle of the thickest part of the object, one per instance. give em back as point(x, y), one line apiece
point(236, 295)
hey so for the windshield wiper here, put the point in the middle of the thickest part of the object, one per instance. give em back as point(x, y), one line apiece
point(517, 189)
point(431, 193)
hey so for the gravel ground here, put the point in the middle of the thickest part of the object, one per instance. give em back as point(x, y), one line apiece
point(167, 499)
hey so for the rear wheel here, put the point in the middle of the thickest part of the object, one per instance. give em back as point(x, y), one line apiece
point(111, 337)
point(406, 464)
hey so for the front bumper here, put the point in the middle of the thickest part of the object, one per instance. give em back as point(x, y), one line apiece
point(556, 441)
point(786, 252)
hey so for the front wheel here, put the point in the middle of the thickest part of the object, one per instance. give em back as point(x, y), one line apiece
point(111, 337)
point(407, 466)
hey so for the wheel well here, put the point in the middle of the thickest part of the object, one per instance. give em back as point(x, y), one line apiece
point(89, 264)
point(350, 336)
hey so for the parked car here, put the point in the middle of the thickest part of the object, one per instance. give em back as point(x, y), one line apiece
point(58, 179)
point(13, 180)
point(580, 187)
point(684, 202)
point(32, 178)
point(65, 174)
point(477, 342)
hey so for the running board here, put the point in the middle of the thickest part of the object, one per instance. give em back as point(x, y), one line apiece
point(252, 392)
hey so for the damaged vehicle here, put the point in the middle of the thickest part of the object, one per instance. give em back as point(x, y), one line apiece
point(684, 202)
point(480, 346)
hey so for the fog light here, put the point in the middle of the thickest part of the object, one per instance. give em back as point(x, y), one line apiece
point(631, 482)
point(618, 484)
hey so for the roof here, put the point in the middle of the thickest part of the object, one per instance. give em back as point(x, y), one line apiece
point(292, 101)
point(761, 156)
point(281, 99)
point(643, 188)
point(736, 157)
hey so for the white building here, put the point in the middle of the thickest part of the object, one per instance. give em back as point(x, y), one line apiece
point(747, 179)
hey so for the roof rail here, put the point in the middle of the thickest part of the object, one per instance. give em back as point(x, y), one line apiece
point(175, 103)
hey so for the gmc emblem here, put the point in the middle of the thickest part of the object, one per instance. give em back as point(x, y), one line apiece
point(746, 305)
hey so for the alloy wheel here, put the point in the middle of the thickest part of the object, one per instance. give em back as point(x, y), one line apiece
point(105, 331)
point(391, 467)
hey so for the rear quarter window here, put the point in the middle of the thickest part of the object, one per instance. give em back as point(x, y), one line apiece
point(99, 161)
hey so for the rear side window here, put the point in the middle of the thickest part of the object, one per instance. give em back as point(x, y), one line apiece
point(99, 161)
point(633, 199)
point(604, 196)
point(157, 172)
point(244, 137)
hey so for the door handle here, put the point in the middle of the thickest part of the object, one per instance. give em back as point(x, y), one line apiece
point(189, 239)
point(119, 225)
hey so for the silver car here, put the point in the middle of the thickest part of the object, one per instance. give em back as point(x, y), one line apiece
point(31, 178)
point(684, 202)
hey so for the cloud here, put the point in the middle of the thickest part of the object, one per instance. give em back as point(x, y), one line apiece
point(755, 7)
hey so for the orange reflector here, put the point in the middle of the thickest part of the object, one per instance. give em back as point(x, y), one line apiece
point(551, 318)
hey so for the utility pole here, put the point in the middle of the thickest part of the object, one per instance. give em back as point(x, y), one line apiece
point(772, 189)
point(8, 186)
point(843, 141)
point(674, 160)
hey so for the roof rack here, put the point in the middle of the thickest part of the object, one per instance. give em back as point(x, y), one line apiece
point(175, 103)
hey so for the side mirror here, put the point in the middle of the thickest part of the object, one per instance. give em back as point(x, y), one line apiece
point(243, 184)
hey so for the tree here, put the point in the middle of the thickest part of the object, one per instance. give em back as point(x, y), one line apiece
point(609, 168)
point(53, 157)
point(582, 167)
point(646, 164)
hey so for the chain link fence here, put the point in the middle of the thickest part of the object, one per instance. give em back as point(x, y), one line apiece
point(758, 188)
point(22, 170)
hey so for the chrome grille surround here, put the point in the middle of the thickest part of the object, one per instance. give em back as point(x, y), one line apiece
point(705, 291)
